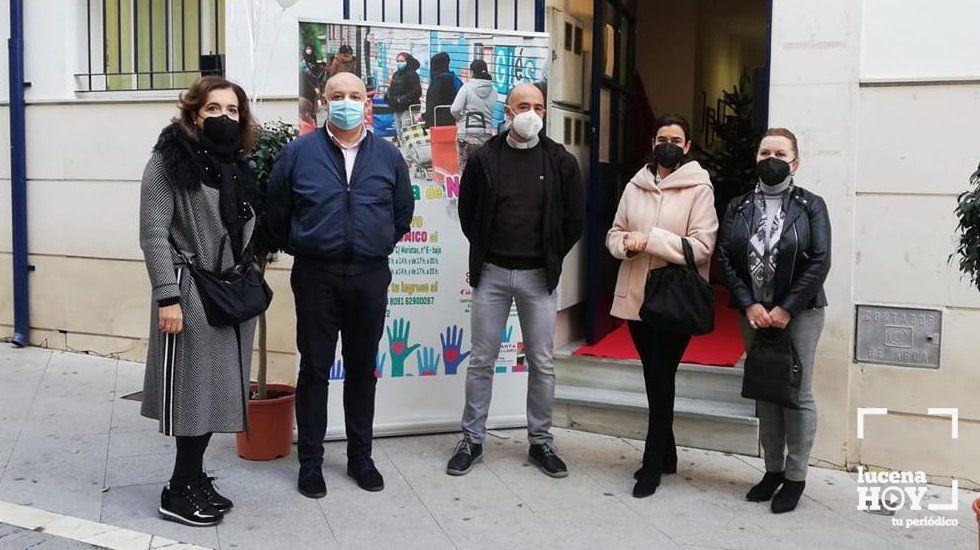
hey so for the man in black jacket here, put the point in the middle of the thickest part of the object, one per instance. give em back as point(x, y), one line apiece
point(521, 206)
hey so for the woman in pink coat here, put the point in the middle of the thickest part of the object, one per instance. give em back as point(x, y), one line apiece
point(667, 200)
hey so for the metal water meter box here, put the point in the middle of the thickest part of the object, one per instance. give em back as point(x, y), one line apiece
point(906, 337)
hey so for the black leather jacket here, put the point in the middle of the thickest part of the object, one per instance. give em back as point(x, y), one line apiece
point(804, 252)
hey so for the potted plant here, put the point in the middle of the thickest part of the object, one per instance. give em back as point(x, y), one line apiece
point(968, 214)
point(968, 249)
point(731, 161)
point(270, 406)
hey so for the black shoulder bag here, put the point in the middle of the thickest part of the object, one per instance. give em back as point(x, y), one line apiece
point(231, 296)
point(772, 369)
point(677, 299)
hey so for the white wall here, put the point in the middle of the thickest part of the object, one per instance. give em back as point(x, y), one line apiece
point(889, 158)
point(54, 36)
point(814, 92)
point(920, 39)
point(4, 35)
point(916, 151)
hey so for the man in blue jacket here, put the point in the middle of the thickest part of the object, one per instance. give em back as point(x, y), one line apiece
point(338, 200)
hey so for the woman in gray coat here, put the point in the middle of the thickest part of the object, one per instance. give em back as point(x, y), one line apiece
point(196, 205)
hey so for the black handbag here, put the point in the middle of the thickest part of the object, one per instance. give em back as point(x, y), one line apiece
point(677, 299)
point(234, 295)
point(772, 369)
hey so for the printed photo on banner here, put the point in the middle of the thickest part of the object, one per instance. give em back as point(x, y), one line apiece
point(436, 95)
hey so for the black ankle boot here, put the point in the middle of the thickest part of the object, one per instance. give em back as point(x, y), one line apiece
point(764, 490)
point(646, 483)
point(669, 466)
point(788, 496)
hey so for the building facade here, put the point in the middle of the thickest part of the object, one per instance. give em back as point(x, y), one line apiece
point(882, 95)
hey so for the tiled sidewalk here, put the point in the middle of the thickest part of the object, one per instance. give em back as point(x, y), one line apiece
point(18, 537)
point(69, 445)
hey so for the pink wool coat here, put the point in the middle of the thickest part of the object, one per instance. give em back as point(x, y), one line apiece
point(680, 205)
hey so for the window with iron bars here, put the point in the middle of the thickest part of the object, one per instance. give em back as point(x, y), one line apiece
point(152, 44)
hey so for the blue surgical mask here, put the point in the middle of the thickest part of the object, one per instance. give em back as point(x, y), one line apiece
point(346, 114)
point(401, 65)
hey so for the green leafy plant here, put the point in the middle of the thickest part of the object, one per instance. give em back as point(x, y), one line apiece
point(968, 214)
point(271, 139)
point(731, 161)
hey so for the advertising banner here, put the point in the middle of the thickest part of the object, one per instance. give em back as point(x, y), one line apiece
point(436, 94)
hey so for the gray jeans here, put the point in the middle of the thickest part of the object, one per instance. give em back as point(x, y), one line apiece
point(782, 429)
point(536, 309)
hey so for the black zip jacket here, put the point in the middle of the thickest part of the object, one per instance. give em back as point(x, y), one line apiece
point(564, 210)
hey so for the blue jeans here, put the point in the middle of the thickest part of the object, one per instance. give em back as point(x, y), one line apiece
point(537, 309)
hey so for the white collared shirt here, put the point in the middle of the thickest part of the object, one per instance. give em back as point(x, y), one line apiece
point(350, 152)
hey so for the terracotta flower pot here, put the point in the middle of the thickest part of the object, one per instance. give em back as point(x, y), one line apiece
point(270, 425)
point(976, 510)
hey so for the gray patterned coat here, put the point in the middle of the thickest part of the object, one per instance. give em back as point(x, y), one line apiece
point(195, 381)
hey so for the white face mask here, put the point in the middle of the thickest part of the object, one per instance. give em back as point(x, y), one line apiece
point(527, 124)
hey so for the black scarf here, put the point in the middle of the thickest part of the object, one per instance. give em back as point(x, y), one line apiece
point(223, 171)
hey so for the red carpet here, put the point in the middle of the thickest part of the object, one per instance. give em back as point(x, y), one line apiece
point(721, 348)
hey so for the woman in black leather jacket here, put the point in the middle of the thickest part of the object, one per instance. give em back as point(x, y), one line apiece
point(774, 252)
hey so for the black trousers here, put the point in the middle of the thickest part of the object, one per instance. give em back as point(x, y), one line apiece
point(350, 299)
point(660, 353)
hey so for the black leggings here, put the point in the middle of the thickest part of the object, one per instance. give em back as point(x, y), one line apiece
point(660, 353)
point(189, 463)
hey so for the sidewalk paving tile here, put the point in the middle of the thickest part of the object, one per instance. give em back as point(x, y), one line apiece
point(135, 507)
point(66, 434)
point(62, 474)
point(12, 537)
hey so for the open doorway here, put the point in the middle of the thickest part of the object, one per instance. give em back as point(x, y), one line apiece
point(706, 60)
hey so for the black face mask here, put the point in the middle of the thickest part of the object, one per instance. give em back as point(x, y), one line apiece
point(221, 130)
point(772, 171)
point(668, 155)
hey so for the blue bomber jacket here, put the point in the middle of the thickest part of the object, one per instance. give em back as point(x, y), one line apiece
point(312, 210)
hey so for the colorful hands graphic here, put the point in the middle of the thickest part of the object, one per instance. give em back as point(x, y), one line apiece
point(398, 345)
point(428, 361)
point(379, 364)
point(452, 352)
